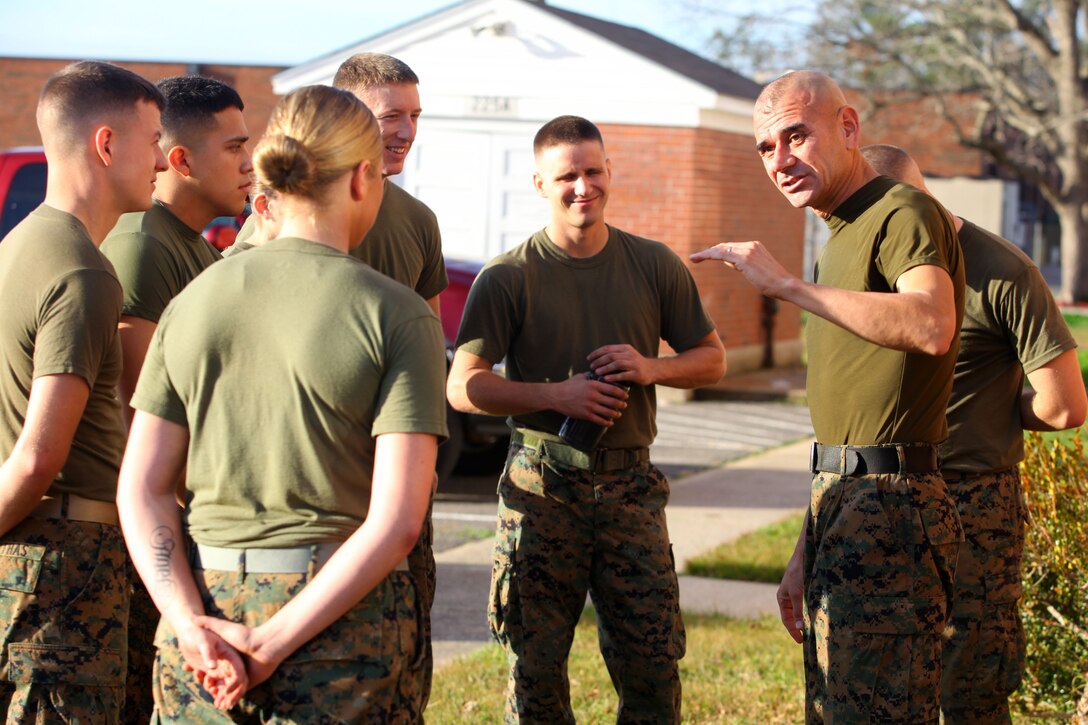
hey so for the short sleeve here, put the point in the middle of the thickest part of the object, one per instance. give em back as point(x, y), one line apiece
point(77, 325)
point(913, 238)
point(1034, 323)
point(155, 392)
point(684, 320)
point(412, 398)
point(433, 279)
point(491, 315)
point(143, 266)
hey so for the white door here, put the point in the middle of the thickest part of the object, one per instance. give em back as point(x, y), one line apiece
point(479, 185)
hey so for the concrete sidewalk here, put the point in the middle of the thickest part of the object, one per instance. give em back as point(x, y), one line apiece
point(705, 510)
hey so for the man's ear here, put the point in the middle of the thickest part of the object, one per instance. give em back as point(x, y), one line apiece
point(608, 167)
point(538, 184)
point(178, 158)
point(103, 144)
point(851, 128)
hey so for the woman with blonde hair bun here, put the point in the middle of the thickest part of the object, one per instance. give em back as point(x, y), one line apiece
point(302, 393)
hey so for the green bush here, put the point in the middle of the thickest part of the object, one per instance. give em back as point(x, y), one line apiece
point(1055, 604)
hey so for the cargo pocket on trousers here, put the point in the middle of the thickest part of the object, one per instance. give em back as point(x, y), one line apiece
point(65, 665)
point(869, 654)
point(503, 612)
point(20, 567)
point(944, 535)
point(1002, 648)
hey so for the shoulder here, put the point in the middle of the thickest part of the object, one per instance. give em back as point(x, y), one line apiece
point(990, 254)
point(399, 200)
point(649, 254)
point(56, 244)
point(515, 263)
point(909, 218)
point(910, 203)
point(140, 237)
point(644, 247)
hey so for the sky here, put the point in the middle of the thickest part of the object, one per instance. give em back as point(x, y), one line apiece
point(270, 32)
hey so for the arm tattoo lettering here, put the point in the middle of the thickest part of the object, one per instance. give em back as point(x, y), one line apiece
point(162, 546)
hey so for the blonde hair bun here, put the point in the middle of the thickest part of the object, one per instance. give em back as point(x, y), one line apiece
point(286, 165)
point(316, 135)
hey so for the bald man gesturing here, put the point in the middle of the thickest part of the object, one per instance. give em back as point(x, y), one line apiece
point(876, 557)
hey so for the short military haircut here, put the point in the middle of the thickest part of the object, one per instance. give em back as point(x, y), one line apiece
point(83, 94)
point(368, 70)
point(566, 130)
point(191, 105)
point(888, 160)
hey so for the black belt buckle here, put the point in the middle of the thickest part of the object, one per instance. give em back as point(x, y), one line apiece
point(813, 458)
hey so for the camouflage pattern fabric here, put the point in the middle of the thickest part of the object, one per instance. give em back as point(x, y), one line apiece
point(355, 671)
point(424, 572)
point(142, 621)
point(880, 558)
point(562, 532)
point(984, 655)
point(64, 601)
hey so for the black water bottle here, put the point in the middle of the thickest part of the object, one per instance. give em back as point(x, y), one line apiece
point(582, 434)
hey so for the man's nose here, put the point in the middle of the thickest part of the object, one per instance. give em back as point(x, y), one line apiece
point(580, 186)
point(406, 129)
point(783, 157)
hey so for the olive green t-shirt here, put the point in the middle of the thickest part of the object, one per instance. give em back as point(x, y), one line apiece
point(545, 312)
point(60, 303)
point(237, 248)
point(403, 244)
point(155, 256)
point(1011, 325)
point(283, 397)
point(861, 393)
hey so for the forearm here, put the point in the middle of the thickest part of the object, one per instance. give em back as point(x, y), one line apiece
point(907, 321)
point(690, 369)
point(1056, 400)
point(482, 391)
point(53, 413)
point(156, 543)
point(355, 569)
point(151, 519)
point(22, 486)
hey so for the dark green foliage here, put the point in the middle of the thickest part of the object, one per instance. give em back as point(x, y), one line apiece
point(1055, 604)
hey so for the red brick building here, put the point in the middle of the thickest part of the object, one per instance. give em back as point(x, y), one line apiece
point(22, 79)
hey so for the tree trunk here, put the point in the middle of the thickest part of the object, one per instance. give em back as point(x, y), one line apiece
point(1071, 213)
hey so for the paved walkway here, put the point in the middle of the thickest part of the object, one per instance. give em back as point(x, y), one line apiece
point(705, 509)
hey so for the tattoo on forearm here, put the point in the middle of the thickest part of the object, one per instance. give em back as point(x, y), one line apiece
point(162, 546)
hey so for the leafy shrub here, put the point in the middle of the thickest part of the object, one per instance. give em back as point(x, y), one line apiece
point(1055, 604)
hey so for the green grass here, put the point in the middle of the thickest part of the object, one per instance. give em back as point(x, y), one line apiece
point(1078, 325)
point(759, 556)
point(735, 671)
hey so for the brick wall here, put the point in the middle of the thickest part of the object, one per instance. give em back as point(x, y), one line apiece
point(22, 79)
point(693, 188)
point(917, 126)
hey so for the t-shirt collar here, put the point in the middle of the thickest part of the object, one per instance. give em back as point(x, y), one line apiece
point(858, 202)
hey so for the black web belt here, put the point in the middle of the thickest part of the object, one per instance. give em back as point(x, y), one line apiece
point(863, 460)
point(601, 460)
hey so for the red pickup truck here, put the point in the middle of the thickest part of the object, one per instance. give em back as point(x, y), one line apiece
point(477, 443)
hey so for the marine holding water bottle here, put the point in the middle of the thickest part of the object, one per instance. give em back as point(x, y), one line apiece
point(579, 311)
